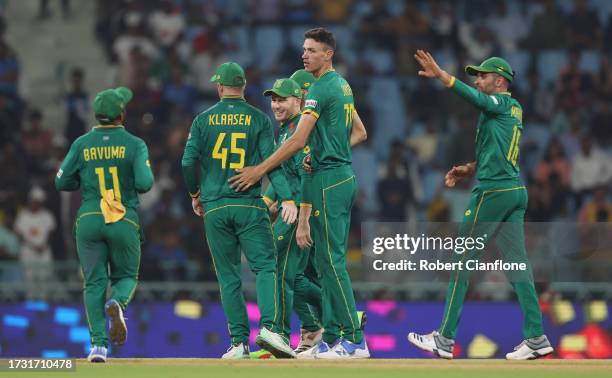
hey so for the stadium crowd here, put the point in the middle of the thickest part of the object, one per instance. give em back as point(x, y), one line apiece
point(166, 51)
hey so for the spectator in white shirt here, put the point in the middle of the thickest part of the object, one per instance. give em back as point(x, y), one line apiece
point(34, 226)
point(591, 168)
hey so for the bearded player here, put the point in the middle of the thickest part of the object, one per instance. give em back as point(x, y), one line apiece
point(497, 204)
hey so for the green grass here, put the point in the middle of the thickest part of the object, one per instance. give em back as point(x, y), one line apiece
point(376, 368)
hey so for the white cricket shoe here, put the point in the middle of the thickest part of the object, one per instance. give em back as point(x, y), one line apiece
point(308, 339)
point(433, 342)
point(309, 354)
point(345, 349)
point(237, 352)
point(117, 331)
point(274, 343)
point(97, 354)
point(531, 349)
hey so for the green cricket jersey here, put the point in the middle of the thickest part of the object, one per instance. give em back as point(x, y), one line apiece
point(107, 157)
point(231, 134)
point(330, 100)
point(498, 132)
point(293, 168)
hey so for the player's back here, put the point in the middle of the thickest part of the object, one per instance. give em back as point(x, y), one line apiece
point(330, 100)
point(232, 134)
point(105, 159)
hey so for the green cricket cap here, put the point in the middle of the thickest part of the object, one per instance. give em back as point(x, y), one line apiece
point(110, 103)
point(493, 64)
point(285, 88)
point(303, 78)
point(230, 74)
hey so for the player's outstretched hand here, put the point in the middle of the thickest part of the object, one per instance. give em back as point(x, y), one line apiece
point(197, 206)
point(306, 163)
point(457, 173)
point(246, 177)
point(428, 63)
point(302, 235)
point(289, 212)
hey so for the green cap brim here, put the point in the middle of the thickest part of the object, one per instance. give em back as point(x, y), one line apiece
point(269, 92)
point(474, 70)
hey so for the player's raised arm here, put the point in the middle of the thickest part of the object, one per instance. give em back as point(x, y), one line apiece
point(487, 103)
point(67, 177)
point(143, 174)
point(248, 176)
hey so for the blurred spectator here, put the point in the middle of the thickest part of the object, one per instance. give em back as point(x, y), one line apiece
point(548, 29)
point(44, 12)
point(443, 26)
point(540, 206)
point(598, 209)
point(167, 23)
point(77, 106)
point(135, 36)
point(9, 70)
point(394, 189)
point(585, 30)
point(335, 12)
point(508, 27)
point(9, 242)
point(36, 141)
point(375, 28)
point(170, 255)
point(591, 168)
point(34, 226)
point(575, 85)
point(553, 173)
point(478, 41)
point(601, 122)
point(425, 145)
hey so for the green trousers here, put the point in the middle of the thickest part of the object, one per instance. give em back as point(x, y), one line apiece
point(231, 225)
point(332, 193)
point(307, 303)
point(496, 211)
point(297, 292)
point(102, 248)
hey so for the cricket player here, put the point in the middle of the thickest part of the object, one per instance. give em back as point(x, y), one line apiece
point(328, 114)
point(286, 96)
point(497, 204)
point(110, 166)
point(224, 138)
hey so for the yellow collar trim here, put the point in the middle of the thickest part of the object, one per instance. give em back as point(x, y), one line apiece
point(109, 126)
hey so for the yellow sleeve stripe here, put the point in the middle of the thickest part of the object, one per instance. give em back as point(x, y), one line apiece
point(452, 82)
point(310, 111)
point(304, 204)
point(289, 202)
point(267, 200)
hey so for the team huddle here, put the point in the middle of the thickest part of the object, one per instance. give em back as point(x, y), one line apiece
point(299, 260)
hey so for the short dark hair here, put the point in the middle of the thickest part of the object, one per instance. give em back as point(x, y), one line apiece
point(322, 35)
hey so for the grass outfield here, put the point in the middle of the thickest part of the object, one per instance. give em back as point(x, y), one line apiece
point(203, 368)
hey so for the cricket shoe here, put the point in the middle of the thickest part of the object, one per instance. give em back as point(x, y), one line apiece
point(261, 354)
point(321, 347)
point(117, 331)
point(345, 349)
point(237, 352)
point(531, 349)
point(97, 354)
point(433, 342)
point(308, 339)
point(274, 343)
